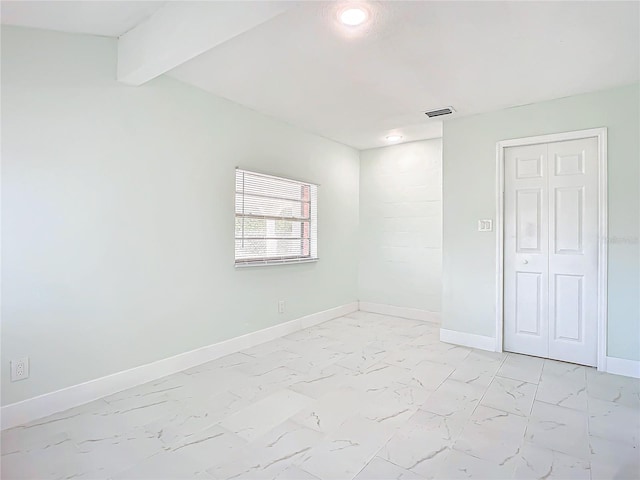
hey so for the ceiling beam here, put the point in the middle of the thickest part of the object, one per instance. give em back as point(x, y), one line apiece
point(180, 31)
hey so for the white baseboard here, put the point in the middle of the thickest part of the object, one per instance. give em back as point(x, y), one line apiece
point(404, 312)
point(468, 340)
point(38, 407)
point(621, 366)
point(616, 366)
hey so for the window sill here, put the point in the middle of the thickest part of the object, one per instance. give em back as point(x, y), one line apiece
point(267, 263)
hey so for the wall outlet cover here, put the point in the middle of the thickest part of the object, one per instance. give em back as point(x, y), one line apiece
point(19, 369)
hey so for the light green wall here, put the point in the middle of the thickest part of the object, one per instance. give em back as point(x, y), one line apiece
point(469, 186)
point(118, 215)
point(401, 225)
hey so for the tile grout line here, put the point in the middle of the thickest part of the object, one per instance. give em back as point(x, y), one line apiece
point(468, 420)
point(489, 385)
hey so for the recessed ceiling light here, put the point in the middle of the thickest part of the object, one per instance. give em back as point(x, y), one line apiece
point(353, 16)
point(394, 138)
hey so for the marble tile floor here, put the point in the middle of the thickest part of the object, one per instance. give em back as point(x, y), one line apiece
point(361, 397)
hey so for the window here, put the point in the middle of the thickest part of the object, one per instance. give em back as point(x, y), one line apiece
point(276, 220)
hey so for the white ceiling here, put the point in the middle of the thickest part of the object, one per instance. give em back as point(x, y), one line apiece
point(106, 18)
point(359, 85)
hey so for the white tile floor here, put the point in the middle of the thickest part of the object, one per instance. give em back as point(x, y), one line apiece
point(364, 396)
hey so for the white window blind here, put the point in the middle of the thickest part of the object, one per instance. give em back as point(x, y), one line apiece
point(276, 220)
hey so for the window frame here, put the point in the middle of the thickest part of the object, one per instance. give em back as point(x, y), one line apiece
point(310, 219)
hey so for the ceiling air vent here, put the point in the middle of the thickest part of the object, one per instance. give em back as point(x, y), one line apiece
point(440, 111)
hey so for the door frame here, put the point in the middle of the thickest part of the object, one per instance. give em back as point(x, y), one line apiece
point(601, 135)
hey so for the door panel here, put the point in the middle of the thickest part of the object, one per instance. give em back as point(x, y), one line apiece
point(568, 298)
point(526, 325)
point(569, 164)
point(573, 251)
point(529, 167)
point(551, 250)
point(528, 297)
point(529, 220)
point(569, 216)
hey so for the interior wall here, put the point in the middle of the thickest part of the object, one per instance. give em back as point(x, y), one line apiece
point(469, 194)
point(401, 225)
point(118, 215)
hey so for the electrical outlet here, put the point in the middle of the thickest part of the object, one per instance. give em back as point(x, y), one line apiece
point(280, 306)
point(19, 369)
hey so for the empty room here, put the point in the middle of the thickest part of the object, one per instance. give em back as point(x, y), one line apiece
point(311, 240)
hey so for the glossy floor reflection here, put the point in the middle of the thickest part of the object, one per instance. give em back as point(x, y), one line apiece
point(364, 396)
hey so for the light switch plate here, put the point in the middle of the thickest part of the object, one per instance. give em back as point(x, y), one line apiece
point(485, 225)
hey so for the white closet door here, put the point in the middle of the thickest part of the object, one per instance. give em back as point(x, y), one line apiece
point(573, 251)
point(526, 254)
point(551, 250)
